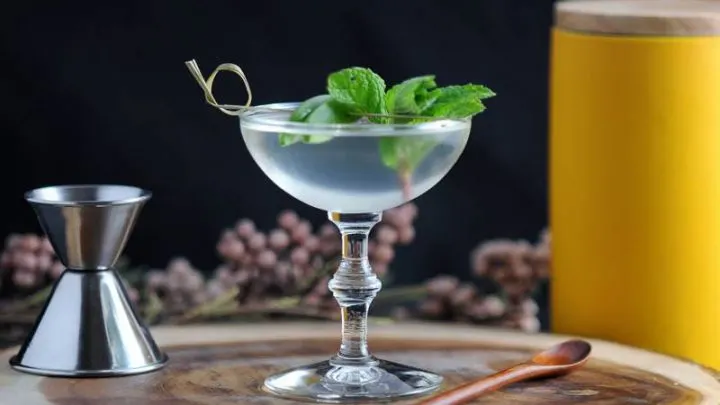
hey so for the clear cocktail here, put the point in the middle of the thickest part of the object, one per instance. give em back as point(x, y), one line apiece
point(345, 175)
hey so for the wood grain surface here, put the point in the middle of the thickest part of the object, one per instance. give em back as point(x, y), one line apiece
point(674, 18)
point(226, 364)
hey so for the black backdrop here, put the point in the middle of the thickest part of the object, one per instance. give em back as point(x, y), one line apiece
point(98, 93)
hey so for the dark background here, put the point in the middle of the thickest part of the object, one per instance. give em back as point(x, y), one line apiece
point(98, 93)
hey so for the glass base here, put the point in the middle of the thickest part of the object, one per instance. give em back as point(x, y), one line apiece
point(331, 382)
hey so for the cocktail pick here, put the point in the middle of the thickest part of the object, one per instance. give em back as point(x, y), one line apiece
point(236, 110)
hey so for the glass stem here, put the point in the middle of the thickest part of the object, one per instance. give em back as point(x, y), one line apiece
point(354, 286)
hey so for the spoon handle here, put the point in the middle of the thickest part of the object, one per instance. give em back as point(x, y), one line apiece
point(473, 389)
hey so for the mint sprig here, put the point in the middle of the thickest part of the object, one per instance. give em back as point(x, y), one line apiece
point(357, 93)
point(418, 96)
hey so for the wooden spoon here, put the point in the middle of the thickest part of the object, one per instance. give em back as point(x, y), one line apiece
point(555, 361)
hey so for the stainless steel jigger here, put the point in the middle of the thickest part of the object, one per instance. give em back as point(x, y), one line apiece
point(88, 327)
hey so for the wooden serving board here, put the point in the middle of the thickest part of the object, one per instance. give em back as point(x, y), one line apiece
point(226, 364)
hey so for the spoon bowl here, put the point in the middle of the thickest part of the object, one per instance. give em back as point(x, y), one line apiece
point(567, 355)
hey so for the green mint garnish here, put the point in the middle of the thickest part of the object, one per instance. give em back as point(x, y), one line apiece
point(359, 93)
point(360, 90)
point(418, 96)
point(305, 109)
point(412, 97)
point(322, 109)
point(405, 152)
point(459, 101)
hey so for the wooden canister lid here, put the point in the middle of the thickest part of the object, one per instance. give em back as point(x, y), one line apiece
point(672, 18)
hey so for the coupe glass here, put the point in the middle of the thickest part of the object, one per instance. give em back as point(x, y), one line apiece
point(346, 176)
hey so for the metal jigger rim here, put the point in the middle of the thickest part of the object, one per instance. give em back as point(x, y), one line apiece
point(44, 372)
point(31, 196)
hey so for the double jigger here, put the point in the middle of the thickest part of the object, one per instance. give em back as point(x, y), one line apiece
point(88, 326)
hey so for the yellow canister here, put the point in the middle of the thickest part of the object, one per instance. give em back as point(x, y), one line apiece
point(635, 174)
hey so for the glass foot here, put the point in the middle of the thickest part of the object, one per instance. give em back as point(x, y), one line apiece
point(330, 382)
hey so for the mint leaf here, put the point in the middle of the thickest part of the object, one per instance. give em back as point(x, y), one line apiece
point(459, 101)
point(329, 112)
point(405, 152)
point(412, 96)
point(322, 109)
point(307, 107)
point(288, 139)
point(300, 115)
point(359, 89)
